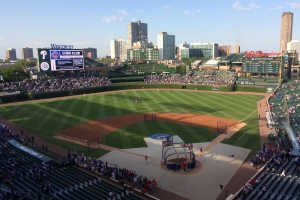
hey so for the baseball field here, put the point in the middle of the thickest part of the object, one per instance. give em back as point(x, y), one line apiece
point(117, 119)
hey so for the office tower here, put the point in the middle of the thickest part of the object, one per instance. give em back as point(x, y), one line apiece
point(224, 50)
point(286, 30)
point(11, 54)
point(26, 53)
point(90, 52)
point(137, 31)
point(166, 46)
point(237, 49)
point(118, 48)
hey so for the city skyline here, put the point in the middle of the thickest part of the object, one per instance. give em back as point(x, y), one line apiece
point(253, 25)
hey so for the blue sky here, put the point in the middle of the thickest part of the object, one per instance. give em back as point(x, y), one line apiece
point(253, 24)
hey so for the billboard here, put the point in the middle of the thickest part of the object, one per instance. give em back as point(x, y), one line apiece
point(60, 59)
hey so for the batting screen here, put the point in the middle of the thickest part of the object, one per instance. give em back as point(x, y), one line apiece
point(93, 144)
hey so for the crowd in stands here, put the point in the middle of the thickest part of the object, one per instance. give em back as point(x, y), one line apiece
point(274, 160)
point(121, 175)
point(201, 77)
point(48, 179)
point(58, 82)
point(289, 93)
point(12, 167)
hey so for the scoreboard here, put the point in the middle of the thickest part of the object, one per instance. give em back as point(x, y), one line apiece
point(60, 59)
point(268, 65)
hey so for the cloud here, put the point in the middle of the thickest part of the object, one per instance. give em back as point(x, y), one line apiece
point(276, 8)
point(294, 5)
point(138, 11)
point(238, 6)
point(123, 12)
point(186, 12)
point(166, 7)
point(108, 19)
point(198, 11)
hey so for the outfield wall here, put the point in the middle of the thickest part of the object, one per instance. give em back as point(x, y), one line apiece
point(45, 95)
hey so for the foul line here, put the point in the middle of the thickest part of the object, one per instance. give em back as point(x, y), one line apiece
point(241, 136)
point(248, 116)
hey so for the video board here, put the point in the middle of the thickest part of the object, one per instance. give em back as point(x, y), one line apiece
point(61, 59)
point(66, 60)
point(268, 65)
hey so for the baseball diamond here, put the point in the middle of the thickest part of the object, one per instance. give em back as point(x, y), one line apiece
point(211, 120)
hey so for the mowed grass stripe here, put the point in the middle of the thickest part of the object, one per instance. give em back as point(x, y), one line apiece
point(162, 107)
point(170, 102)
point(21, 109)
point(45, 118)
point(143, 129)
point(102, 106)
point(63, 121)
point(111, 107)
point(30, 110)
point(218, 107)
point(116, 105)
point(223, 104)
point(144, 104)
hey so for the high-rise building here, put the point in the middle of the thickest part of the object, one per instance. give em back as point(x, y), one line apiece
point(237, 49)
point(118, 48)
point(11, 54)
point(137, 31)
point(166, 46)
point(294, 46)
point(90, 52)
point(208, 50)
point(26, 53)
point(286, 30)
point(224, 50)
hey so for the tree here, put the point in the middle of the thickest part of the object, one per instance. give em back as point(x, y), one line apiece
point(18, 71)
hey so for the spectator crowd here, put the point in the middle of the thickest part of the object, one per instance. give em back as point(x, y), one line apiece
point(199, 77)
point(58, 82)
point(121, 175)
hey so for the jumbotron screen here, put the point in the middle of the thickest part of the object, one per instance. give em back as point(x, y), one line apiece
point(262, 65)
point(70, 59)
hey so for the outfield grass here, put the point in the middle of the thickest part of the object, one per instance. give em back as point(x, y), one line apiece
point(46, 118)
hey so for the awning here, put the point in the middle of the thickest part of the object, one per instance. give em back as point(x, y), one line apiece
point(30, 151)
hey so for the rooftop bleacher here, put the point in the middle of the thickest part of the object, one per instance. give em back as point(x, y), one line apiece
point(239, 58)
point(231, 57)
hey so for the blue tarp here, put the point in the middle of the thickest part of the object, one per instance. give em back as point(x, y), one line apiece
point(30, 151)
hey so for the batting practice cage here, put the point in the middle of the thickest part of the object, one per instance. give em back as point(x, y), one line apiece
point(221, 127)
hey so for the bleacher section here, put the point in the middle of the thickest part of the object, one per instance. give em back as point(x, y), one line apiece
point(231, 57)
point(28, 176)
point(279, 112)
point(278, 180)
point(203, 77)
point(91, 63)
point(142, 69)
